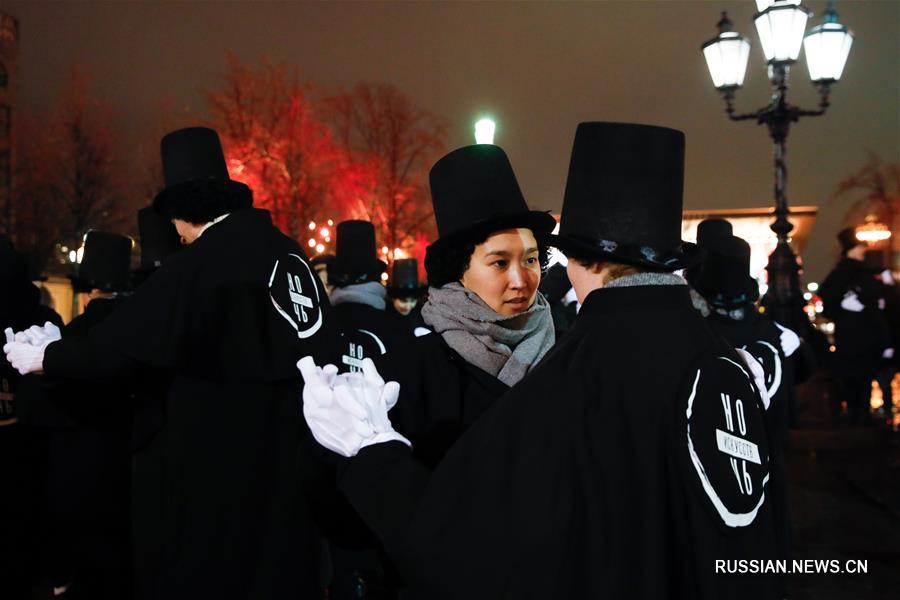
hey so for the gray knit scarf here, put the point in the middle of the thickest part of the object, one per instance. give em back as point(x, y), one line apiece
point(647, 278)
point(505, 347)
point(371, 293)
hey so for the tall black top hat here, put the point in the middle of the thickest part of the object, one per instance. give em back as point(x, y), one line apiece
point(725, 281)
point(159, 239)
point(355, 260)
point(709, 230)
point(474, 190)
point(105, 263)
point(624, 196)
point(405, 279)
point(193, 162)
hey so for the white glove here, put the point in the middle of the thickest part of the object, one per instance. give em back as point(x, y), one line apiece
point(758, 374)
point(851, 302)
point(888, 353)
point(339, 428)
point(789, 340)
point(24, 358)
point(887, 278)
point(380, 398)
point(348, 412)
point(41, 336)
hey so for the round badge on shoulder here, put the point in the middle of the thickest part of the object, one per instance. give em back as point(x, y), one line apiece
point(726, 439)
point(295, 295)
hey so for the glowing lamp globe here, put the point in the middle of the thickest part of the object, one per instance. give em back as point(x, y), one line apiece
point(484, 131)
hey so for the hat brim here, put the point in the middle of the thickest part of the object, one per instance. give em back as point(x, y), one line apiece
point(748, 293)
point(639, 256)
point(406, 292)
point(541, 223)
point(176, 199)
point(340, 278)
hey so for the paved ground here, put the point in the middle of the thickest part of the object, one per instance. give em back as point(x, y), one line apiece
point(845, 502)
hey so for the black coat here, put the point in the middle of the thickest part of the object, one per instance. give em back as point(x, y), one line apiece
point(441, 394)
point(859, 337)
point(22, 453)
point(596, 476)
point(228, 317)
point(368, 332)
point(87, 430)
point(758, 335)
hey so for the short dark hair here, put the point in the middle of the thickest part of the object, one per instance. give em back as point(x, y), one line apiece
point(617, 268)
point(447, 260)
point(200, 202)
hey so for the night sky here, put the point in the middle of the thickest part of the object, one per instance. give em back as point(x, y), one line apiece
point(537, 68)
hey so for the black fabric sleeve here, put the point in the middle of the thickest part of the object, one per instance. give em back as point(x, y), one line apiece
point(84, 358)
point(385, 484)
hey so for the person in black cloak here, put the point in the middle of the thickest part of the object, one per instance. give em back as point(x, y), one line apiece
point(731, 294)
point(360, 299)
point(490, 324)
point(405, 293)
point(22, 453)
point(86, 546)
point(224, 316)
point(853, 300)
point(630, 463)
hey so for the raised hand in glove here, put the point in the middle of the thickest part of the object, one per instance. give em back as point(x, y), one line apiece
point(790, 341)
point(758, 374)
point(348, 412)
point(40, 336)
point(24, 357)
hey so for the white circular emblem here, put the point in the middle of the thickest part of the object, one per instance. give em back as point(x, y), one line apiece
point(727, 441)
point(295, 295)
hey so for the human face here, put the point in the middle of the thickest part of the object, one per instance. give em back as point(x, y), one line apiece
point(404, 306)
point(189, 232)
point(505, 271)
point(322, 272)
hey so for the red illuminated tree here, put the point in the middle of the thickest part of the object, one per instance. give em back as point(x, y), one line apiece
point(66, 179)
point(276, 143)
point(381, 125)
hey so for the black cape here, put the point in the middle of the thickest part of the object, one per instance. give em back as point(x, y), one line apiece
point(228, 317)
point(441, 394)
point(22, 453)
point(86, 512)
point(623, 466)
point(367, 332)
point(758, 335)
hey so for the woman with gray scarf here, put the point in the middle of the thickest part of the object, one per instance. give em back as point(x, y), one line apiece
point(490, 324)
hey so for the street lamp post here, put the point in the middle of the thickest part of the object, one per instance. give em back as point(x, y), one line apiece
point(780, 25)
